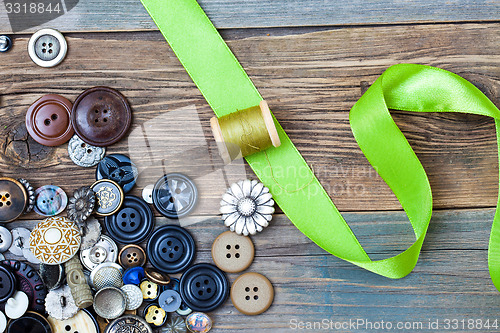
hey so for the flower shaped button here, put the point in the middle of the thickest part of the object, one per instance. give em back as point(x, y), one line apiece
point(247, 207)
point(118, 168)
point(50, 200)
point(81, 204)
point(55, 240)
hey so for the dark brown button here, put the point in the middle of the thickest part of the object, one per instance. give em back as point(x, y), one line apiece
point(232, 253)
point(252, 293)
point(13, 199)
point(132, 256)
point(101, 116)
point(48, 120)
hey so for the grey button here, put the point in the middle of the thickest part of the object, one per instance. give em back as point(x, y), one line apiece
point(20, 241)
point(5, 43)
point(110, 303)
point(47, 47)
point(170, 300)
point(107, 274)
point(104, 248)
point(83, 154)
point(5, 239)
point(147, 194)
point(134, 296)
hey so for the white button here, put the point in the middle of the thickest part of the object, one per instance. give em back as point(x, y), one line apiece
point(17, 305)
point(5, 239)
point(47, 47)
point(3, 322)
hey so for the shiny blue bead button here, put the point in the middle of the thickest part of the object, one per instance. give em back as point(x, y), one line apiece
point(50, 200)
point(133, 275)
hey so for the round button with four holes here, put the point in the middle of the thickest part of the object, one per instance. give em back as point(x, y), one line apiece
point(232, 253)
point(171, 249)
point(47, 47)
point(252, 293)
point(204, 287)
point(13, 199)
point(48, 120)
point(132, 256)
point(50, 200)
point(132, 223)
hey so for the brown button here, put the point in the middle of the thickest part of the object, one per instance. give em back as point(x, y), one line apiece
point(232, 253)
point(252, 293)
point(132, 256)
point(13, 199)
point(159, 278)
point(101, 116)
point(48, 120)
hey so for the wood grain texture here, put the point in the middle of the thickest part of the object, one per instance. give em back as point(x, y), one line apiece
point(96, 15)
point(310, 80)
point(451, 279)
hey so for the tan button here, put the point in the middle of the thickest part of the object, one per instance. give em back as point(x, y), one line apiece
point(132, 256)
point(252, 293)
point(232, 253)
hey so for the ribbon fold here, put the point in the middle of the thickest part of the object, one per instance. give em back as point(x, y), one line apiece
point(227, 88)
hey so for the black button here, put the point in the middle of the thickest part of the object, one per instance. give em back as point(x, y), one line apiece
point(31, 322)
point(175, 195)
point(119, 168)
point(133, 223)
point(7, 284)
point(30, 283)
point(171, 249)
point(204, 287)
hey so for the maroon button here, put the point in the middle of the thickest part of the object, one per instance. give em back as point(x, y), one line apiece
point(48, 120)
point(101, 116)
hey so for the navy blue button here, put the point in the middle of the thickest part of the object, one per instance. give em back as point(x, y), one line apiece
point(171, 249)
point(174, 284)
point(175, 195)
point(133, 275)
point(119, 168)
point(132, 223)
point(204, 287)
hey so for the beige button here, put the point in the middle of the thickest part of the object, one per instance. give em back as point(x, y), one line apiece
point(252, 293)
point(232, 253)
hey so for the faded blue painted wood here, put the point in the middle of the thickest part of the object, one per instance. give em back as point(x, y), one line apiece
point(99, 15)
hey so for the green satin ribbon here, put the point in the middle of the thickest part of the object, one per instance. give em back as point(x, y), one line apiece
point(227, 88)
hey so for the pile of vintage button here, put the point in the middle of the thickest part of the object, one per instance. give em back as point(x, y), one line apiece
point(85, 281)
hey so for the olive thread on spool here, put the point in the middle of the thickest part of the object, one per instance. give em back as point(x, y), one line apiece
point(245, 132)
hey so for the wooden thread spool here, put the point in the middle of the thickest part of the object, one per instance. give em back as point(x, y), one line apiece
point(245, 132)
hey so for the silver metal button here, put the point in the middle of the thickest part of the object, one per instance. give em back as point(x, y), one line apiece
point(110, 303)
point(129, 323)
point(104, 248)
point(107, 274)
point(5, 43)
point(134, 296)
point(5, 239)
point(60, 304)
point(20, 241)
point(83, 154)
point(47, 47)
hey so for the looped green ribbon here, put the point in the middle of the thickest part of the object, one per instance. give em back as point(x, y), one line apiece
point(227, 88)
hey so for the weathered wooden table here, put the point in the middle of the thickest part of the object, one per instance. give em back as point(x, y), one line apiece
point(311, 60)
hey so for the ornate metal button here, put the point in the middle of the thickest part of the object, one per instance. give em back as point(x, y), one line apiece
point(198, 322)
point(101, 116)
point(91, 233)
point(13, 199)
point(48, 120)
point(55, 240)
point(5, 239)
point(174, 324)
point(84, 154)
point(147, 193)
point(31, 195)
point(110, 302)
point(30, 322)
point(5, 45)
point(247, 207)
point(159, 278)
point(47, 47)
point(150, 290)
point(50, 200)
point(82, 322)
point(232, 253)
point(128, 323)
point(120, 169)
point(170, 300)
point(29, 282)
point(171, 249)
point(107, 274)
point(132, 223)
point(81, 205)
point(134, 296)
point(252, 293)
point(109, 197)
point(175, 195)
point(133, 275)
point(155, 315)
point(132, 256)
point(60, 304)
point(105, 250)
point(8, 285)
point(204, 287)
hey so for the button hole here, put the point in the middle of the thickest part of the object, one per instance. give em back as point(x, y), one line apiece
point(83, 145)
point(237, 255)
point(228, 247)
point(105, 111)
point(124, 224)
point(164, 250)
point(7, 195)
point(50, 44)
point(247, 289)
point(205, 282)
point(200, 292)
point(105, 119)
point(89, 151)
point(132, 215)
point(47, 122)
point(247, 298)
point(8, 203)
point(67, 328)
point(97, 120)
point(169, 243)
point(132, 224)
point(170, 255)
point(255, 289)
point(124, 215)
point(256, 297)
point(209, 290)
point(50, 51)
point(44, 44)
point(96, 111)
point(228, 255)
point(53, 117)
point(44, 50)
point(237, 247)
point(198, 284)
point(176, 248)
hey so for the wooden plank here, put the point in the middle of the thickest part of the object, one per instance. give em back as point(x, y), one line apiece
point(310, 80)
point(451, 279)
point(96, 15)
